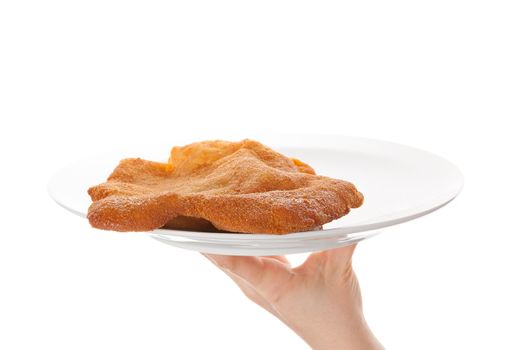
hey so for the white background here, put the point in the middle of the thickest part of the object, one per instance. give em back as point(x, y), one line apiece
point(80, 77)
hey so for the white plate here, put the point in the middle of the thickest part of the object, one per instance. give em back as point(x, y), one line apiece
point(400, 183)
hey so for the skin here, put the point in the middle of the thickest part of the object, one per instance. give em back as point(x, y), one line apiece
point(319, 300)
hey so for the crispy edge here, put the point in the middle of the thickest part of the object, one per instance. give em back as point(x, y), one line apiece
point(289, 211)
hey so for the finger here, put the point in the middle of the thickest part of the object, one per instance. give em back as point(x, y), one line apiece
point(280, 258)
point(332, 259)
point(252, 293)
point(314, 262)
point(248, 267)
point(341, 256)
point(264, 275)
point(248, 290)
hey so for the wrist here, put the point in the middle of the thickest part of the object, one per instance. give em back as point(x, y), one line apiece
point(354, 334)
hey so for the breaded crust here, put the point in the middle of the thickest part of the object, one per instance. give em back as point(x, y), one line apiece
point(231, 186)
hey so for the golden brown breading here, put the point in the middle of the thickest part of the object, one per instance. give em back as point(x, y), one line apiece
point(231, 186)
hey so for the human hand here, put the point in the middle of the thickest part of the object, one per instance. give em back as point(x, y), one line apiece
point(320, 300)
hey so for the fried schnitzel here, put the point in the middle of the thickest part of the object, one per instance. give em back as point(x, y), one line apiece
point(219, 185)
